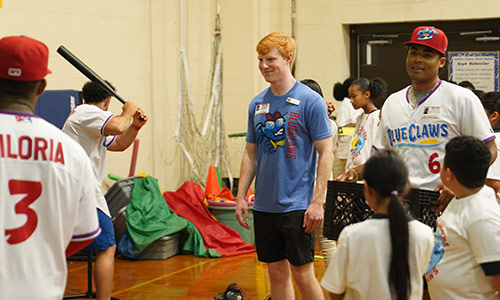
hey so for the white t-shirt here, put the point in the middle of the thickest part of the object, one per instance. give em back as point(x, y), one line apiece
point(360, 266)
point(86, 125)
point(494, 170)
point(44, 204)
point(420, 134)
point(346, 115)
point(362, 140)
point(467, 235)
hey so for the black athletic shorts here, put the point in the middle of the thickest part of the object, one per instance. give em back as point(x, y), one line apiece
point(281, 235)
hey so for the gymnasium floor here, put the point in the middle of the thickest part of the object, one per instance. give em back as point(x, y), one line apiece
point(183, 277)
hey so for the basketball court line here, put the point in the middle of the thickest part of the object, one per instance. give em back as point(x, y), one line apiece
point(159, 278)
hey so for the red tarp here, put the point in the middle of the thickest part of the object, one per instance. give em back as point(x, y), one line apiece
point(188, 202)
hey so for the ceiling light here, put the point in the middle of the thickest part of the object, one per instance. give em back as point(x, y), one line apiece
point(379, 42)
point(487, 38)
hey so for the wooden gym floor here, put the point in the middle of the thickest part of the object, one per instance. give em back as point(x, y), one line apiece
point(183, 277)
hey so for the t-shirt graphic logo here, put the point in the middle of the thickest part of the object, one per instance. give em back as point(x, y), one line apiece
point(271, 132)
point(358, 141)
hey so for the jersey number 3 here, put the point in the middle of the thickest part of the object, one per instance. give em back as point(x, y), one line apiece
point(33, 190)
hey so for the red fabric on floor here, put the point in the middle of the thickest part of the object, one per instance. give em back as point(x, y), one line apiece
point(188, 202)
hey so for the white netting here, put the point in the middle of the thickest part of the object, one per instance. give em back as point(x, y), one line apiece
point(203, 143)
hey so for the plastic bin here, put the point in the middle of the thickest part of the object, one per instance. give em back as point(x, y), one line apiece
point(225, 215)
point(163, 248)
point(119, 195)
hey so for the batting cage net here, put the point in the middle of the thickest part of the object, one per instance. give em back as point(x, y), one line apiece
point(203, 143)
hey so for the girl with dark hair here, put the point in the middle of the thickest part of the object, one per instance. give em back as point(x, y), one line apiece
point(385, 256)
point(346, 117)
point(364, 94)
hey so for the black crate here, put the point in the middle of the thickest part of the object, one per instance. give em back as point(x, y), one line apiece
point(346, 205)
point(419, 204)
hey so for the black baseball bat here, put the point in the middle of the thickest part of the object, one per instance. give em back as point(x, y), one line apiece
point(87, 71)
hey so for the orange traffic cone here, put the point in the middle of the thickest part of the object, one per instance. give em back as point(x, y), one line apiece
point(250, 195)
point(212, 185)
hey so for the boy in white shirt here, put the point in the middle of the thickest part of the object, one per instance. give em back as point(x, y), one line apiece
point(465, 263)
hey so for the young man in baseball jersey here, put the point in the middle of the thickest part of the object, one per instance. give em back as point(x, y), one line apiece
point(98, 130)
point(287, 124)
point(46, 209)
point(420, 119)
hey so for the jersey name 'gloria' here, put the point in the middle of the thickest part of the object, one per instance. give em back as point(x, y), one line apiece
point(37, 148)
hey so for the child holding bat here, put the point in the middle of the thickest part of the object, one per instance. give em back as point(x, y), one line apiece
point(98, 130)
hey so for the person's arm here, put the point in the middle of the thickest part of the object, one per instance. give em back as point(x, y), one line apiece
point(247, 174)
point(125, 139)
point(352, 175)
point(313, 217)
point(494, 184)
point(119, 124)
point(492, 146)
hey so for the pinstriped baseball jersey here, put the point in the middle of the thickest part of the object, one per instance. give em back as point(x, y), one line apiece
point(420, 134)
point(47, 199)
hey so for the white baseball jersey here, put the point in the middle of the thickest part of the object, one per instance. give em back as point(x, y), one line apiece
point(86, 125)
point(46, 201)
point(362, 140)
point(420, 134)
point(360, 265)
point(467, 235)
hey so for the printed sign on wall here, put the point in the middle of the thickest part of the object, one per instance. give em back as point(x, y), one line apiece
point(478, 67)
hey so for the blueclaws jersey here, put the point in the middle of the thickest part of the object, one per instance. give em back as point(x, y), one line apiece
point(420, 134)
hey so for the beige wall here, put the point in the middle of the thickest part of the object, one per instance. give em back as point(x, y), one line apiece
point(135, 45)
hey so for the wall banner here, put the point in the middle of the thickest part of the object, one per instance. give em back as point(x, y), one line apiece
point(478, 67)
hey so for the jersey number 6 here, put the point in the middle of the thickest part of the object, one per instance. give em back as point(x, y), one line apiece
point(33, 190)
point(434, 165)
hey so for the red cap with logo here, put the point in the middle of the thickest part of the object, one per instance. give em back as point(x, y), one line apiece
point(23, 59)
point(431, 37)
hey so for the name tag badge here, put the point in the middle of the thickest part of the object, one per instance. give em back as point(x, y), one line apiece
point(262, 108)
point(431, 112)
point(293, 101)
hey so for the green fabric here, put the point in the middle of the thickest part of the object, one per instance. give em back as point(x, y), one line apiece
point(148, 215)
point(149, 218)
point(193, 243)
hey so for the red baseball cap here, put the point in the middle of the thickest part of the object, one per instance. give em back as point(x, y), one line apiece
point(23, 59)
point(431, 37)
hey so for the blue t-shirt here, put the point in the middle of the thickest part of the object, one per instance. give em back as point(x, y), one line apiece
point(284, 129)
